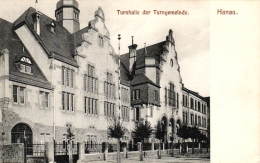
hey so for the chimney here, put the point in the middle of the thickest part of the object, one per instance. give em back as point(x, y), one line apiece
point(132, 54)
point(36, 22)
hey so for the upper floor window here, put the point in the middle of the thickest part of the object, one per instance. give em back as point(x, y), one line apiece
point(125, 96)
point(192, 119)
point(91, 81)
point(155, 95)
point(100, 40)
point(109, 109)
point(67, 101)
point(198, 106)
point(44, 99)
point(191, 103)
point(177, 100)
point(25, 65)
point(67, 77)
point(18, 94)
point(109, 87)
point(165, 96)
point(91, 106)
point(172, 101)
point(136, 94)
point(125, 112)
point(195, 104)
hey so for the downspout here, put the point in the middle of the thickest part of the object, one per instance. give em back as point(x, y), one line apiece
point(52, 83)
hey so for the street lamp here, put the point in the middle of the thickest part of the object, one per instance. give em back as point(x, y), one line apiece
point(172, 123)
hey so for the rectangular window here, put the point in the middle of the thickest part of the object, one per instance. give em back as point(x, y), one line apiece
point(165, 96)
point(89, 105)
point(137, 94)
point(63, 75)
point(105, 108)
point(15, 93)
point(157, 78)
point(28, 69)
point(85, 104)
point(44, 99)
point(191, 103)
point(22, 68)
point(100, 40)
point(63, 100)
point(68, 102)
point(172, 95)
point(85, 82)
point(72, 102)
point(96, 103)
point(67, 77)
point(177, 100)
point(72, 78)
point(133, 95)
point(155, 95)
point(21, 94)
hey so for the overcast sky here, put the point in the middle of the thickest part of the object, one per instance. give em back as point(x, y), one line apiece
point(191, 32)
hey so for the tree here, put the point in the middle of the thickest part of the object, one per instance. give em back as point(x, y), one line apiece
point(194, 134)
point(142, 130)
point(184, 132)
point(70, 136)
point(159, 133)
point(117, 130)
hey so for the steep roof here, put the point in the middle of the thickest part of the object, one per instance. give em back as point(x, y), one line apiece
point(9, 40)
point(150, 51)
point(60, 43)
point(142, 79)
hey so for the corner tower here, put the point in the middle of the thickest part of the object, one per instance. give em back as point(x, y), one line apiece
point(67, 13)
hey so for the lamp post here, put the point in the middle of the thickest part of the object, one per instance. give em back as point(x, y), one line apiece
point(173, 110)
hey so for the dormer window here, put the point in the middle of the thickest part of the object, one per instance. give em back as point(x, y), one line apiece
point(25, 65)
point(26, 60)
point(52, 26)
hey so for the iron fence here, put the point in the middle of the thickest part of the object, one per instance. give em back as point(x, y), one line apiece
point(35, 149)
point(62, 148)
point(94, 148)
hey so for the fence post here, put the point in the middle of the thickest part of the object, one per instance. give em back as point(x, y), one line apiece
point(199, 147)
point(49, 147)
point(163, 146)
point(140, 150)
point(125, 151)
point(106, 151)
point(180, 149)
point(81, 150)
point(152, 146)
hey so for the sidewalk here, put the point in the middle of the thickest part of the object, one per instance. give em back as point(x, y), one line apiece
point(165, 159)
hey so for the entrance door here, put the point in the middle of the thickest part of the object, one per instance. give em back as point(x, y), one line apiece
point(22, 133)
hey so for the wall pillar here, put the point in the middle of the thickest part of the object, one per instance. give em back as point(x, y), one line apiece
point(49, 147)
point(152, 146)
point(125, 152)
point(106, 151)
point(81, 150)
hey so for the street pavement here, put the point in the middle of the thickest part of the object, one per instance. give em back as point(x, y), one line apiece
point(165, 159)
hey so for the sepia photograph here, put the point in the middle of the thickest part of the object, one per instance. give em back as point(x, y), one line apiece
point(106, 81)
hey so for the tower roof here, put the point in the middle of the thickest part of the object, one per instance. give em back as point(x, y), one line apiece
point(99, 12)
point(72, 3)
